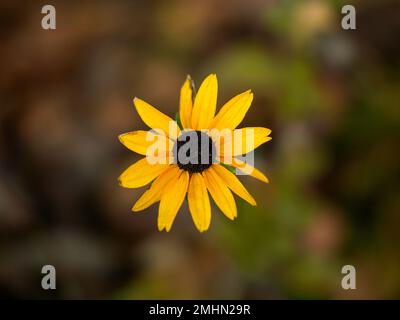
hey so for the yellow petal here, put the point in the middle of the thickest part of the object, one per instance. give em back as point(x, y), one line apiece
point(248, 169)
point(233, 112)
point(140, 173)
point(199, 203)
point(233, 183)
point(205, 103)
point(245, 140)
point(153, 194)
point(171, 201)
point(220, 193)
point(137, 141)
point(156, 119)
point(186, 103)
point(160, 150)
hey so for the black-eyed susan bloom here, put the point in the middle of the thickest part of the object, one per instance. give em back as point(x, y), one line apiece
point(191, 156)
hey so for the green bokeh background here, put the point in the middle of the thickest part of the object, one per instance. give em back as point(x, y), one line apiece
point(330, 96)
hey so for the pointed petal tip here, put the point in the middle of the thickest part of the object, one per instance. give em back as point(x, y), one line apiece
point(266, 139)
point(135, 208)
point(121, 137)
point(121, 184)
point(253, 203)
point(135, 101)
point(262, 177)
point(203, 229)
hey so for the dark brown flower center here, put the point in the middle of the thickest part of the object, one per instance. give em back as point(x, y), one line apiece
point(194, 151)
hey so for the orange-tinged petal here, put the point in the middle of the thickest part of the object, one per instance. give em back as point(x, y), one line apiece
point(139, 141)
point(160, 150)
point(186, 103)
point(248, 169)
point(171, 200)
point(233, 183)
point(156, 119)
point(199, 203)
point(220, 193)
point(233, 112)
point(153, 194)
point(205, 103)
point(140, 173)
point(244, 141)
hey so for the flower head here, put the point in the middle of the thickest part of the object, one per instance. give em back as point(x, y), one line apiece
point(193, 155)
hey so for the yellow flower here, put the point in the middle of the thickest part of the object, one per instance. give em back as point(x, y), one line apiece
point(207, 170)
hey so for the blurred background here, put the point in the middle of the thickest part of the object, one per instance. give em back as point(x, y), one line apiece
point(330, 96)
